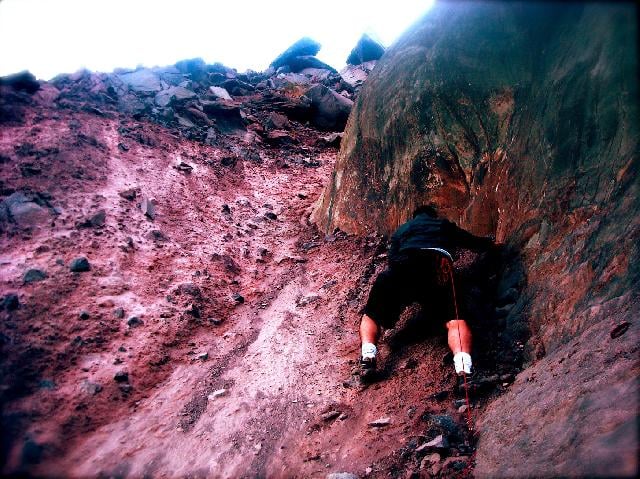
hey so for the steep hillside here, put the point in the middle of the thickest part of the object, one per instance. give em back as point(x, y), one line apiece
point(521, 120)
point(168, 310)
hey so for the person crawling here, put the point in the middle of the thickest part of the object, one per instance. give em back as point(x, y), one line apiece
point(420, 269)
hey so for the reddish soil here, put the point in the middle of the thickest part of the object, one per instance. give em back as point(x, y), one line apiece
point(284, 356)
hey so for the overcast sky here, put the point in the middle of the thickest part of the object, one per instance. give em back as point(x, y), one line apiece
point(49, 37)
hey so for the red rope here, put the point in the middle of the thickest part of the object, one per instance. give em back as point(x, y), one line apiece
point(464, 375)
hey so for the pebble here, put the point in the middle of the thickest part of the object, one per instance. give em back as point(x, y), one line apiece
point(129, 194)
point(271, 215)
point(462, 408)
point(455, 463)
point(34, 275)
point(215, 321)
point(238, 298)
point(121, 377)
point(203, 356)
point(118, 313)
point(11, 302)
point(331, 415)
point(148, 208)
point(84, 315)
point(381, 422)
point(440, 442)
point(134, 321)
point(126, 388)
point(430, 460)
point(341, 475)
point(184, 167)
point(90, 387)
point(217, 394)
point(80, 265)
point(307, 299)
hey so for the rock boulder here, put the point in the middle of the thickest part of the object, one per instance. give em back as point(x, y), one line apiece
point(366, 49)
point(330, 109)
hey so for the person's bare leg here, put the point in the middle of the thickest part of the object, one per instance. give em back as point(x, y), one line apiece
point(459, 338)
point(369, 330)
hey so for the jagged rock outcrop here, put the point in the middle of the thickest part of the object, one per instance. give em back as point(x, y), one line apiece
point(366, 50)
point(300, 55)
point(522, 121)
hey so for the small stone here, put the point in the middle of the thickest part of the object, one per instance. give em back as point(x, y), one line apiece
point(184, 167)
point(121, 377)
point(619, 330)
point(148, 208)
point(125, 388)
point(381, 422)
point(95, 221)
point(462, 408)
point(134, 322)
point(122, 349)
point(429, 460)
point(238, 298)
point(226, 210)
point(302, 195)
point(440, 442)
point(203, 356)
point(193, 310)
point(118, 313)
point(440, 396)
point(157, 235)
point(215, 321)
point(80, 265)
point(11, 302)
point(129, 194)
point(307, 299)
point(229, 161)
point(368, 471)
point(217, 394)
point(341, 475)
point(84, 315)
point(90, 388)
point(34, 275)
point(329, 416)
point(455, 463)
point(271, 215)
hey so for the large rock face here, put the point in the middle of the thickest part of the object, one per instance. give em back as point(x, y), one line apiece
point(522, 121)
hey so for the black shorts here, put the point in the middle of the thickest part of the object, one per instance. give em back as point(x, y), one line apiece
point(420, 278)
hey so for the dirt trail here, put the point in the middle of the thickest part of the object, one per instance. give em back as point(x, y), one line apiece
point(218, 385)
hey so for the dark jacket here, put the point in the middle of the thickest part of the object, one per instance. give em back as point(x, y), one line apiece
point(425, 231)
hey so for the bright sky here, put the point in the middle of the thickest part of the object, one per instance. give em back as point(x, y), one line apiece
point(49, 37)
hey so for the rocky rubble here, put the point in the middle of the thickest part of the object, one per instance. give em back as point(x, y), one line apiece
point(202, 101)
